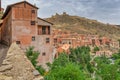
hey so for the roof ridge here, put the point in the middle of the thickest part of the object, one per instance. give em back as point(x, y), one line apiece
point(11, 5)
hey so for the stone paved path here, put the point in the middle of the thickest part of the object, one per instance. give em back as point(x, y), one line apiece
point(3, 52)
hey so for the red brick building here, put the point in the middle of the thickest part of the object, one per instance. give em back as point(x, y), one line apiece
point(21, 25)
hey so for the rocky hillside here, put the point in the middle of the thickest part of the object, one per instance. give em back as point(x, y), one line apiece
point(118, 25)
point(84, 26)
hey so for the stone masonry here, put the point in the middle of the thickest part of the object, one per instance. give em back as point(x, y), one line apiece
point(16, 66)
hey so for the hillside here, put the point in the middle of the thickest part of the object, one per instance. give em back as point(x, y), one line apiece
point(84, 26)
point(118, 25)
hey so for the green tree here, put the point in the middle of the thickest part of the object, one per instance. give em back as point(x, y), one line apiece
point(96, 49)
point(62, 60)
point(101, 60)
point(80, 55)
point(70, 71)
point(109, 72)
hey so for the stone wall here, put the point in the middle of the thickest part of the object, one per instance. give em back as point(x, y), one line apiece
point(45, 49)
point(16, 66)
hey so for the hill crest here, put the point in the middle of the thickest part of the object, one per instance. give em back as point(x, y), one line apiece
point(83, 25)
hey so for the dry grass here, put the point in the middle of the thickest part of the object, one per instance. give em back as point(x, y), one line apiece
point(84, 26)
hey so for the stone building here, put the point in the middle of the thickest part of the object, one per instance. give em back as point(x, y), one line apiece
point(21, 25)
point(106, 53)
point(115, 44)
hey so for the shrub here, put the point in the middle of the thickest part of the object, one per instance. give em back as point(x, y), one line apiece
point(33, 56)
point(69, 72)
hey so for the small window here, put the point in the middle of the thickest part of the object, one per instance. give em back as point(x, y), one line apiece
point(43, 54)
point(32, 22)
point(69, 42)
point(43, 29)
point(48, 29)
point(55, 40)
point(33, 38)
point(47, 40)
point(17, 42)
point(33, 11)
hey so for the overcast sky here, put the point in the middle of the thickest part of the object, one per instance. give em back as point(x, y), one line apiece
point(107, 11)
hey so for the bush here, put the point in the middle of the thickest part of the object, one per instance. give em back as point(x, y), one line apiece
point(96, 49)
point(33, 56)
point(40, 69)
point(69, 72)
point(29, 51)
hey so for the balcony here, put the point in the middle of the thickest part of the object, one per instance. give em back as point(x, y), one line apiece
point(43, 30)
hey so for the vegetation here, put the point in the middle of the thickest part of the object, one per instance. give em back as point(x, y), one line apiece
point(33, 56)
point(96, 49)
point(63, 69)
point(79, 65)
point(107, 68)
point(71, 67)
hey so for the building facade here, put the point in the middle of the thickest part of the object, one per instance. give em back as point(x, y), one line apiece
point(21, 25)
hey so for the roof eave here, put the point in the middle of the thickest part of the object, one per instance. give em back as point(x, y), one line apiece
point(45, 21)
point(9, 7)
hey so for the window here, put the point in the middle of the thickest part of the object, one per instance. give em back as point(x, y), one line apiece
point(93, 42)
point(33, 11)
point(33, 38)
point(17, 42)
point(55, 40)
point(32, 22)
point(43, 30)
point(48, 29)
point(47, 40)
point(39, 30)
point(69, 42)
point(100, 41)
point(43, 54)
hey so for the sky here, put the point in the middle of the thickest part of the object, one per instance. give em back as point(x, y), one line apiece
point(106, 11)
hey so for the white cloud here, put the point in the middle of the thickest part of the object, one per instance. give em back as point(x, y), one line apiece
point(103, 10)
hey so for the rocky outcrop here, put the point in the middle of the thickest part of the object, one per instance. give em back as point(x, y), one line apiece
point(16, 66)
